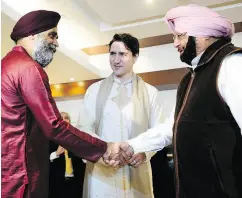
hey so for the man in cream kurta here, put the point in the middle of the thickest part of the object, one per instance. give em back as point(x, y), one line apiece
point(119, 116)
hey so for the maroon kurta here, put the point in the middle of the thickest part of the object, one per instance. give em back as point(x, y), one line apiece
point(29, 118)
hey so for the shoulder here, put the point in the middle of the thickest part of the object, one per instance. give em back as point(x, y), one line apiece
point(94, 87)
point(230, 69)
point(151, 89)
point(19, 60)
point(233, 58)
point(17, 64)
point(152, 92)
point(232, 62)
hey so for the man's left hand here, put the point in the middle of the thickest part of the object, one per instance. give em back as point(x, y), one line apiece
point(137, 160)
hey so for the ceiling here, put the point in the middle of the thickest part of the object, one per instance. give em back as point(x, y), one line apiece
point(126, 11)
point(89, 23)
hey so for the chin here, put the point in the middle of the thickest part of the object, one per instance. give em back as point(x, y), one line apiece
point(118, 74)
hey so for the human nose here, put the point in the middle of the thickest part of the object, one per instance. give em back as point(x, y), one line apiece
point(116, 59)
point(176, 42)
point(56, 42)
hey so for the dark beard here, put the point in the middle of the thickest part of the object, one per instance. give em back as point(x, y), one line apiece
point(190, 51)
point(44, 53)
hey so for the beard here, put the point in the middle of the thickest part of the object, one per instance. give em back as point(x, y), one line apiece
point(190, 51)
point(44, 52)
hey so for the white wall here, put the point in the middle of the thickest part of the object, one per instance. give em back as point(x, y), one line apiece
point(155, 58)
point(167, 99)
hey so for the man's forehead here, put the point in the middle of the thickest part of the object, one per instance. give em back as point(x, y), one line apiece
point(177, 33)
point(118, 47)
point(52, 30)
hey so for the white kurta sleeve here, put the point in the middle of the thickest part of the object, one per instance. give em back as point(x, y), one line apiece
point(86, 118)
point(154, 119)
point(229, 85)
point(154, 139)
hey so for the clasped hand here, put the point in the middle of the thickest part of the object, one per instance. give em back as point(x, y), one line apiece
point(121, 154)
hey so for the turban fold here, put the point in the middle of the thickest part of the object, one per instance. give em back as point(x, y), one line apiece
point(35, 22)
point(198, 21)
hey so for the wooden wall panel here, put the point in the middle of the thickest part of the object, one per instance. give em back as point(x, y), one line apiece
point(158, 78)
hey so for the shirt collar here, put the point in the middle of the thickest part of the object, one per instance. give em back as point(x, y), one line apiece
point(118, 81)
point(196, 60)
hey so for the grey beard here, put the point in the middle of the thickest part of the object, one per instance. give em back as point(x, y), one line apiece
point(43, 54)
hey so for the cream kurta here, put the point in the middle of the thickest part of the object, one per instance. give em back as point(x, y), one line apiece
point(100, 180)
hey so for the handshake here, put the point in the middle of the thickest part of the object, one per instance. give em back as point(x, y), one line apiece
point(121, 154)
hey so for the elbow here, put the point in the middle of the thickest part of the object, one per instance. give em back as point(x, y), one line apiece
point(53, 129)
point(50, 135)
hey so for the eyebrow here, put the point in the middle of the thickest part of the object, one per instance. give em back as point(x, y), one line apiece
point(54, 34)
point(112, 52)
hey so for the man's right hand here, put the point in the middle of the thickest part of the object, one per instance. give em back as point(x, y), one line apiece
point(127, 149)
point(118, 154)
point(113, 156)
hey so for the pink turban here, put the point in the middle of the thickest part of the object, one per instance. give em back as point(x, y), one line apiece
point(198, 21)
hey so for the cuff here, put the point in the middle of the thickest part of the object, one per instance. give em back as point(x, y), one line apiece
point(134, 144)
point(53, 156)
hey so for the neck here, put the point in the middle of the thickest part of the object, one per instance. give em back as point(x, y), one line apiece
point(26, 47)
point(208, 42)
point(125, 77)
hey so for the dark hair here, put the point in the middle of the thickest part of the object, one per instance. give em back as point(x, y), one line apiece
point(130, 42)
point(17, 39)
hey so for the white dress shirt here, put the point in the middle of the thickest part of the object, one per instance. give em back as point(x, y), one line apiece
point(229, 85)
point(53, 156)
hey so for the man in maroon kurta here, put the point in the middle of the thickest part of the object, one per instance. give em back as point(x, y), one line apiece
point(29, 113)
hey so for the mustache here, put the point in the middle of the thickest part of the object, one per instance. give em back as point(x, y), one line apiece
point(52, 47)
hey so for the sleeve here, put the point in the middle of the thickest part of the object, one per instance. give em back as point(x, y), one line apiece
point(35, 90)
point(86, 119)
point(229, 85)
point(155, 114)
point(154, 139)
point(53, 156)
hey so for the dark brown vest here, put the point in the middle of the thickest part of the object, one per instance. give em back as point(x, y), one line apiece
point(207, 140)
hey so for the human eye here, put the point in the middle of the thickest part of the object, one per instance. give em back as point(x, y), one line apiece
point(53, 35)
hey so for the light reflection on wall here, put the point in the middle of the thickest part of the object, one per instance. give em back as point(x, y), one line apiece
point(71, 89)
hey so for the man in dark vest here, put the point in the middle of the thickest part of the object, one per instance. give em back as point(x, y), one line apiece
point(205, 128)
